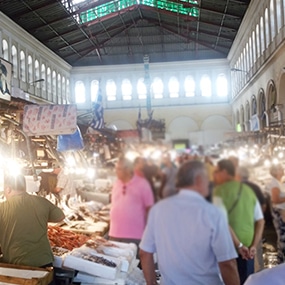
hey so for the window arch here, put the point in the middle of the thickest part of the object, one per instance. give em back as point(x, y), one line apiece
point(59, 94)
point(238, 125)
point(262, 105)
point(173, 87)
point(5, 50)
point(68, 99)
point(272, 95)
point(80, 96)
point(249, 51)
point(247, 111)
point(111, 90)
point(242, 119)
point(157, 88)
point(15, 61)
point(37, 70)
point(267, 30)
point(53, 90)
point(126, 89)
point(272, 19)
point(22, 66)
point(278, 15)
point(247, 57)
point(189, 86)
point(206, 86)
point(94, 90)
point(48, 80)
point(141, 88)
point(257, 41)
point(262, 39)
point(43, 76)
point(253, 47)
point(222, 85)
point(30, 69)
point(63, 90)
point(253, 105)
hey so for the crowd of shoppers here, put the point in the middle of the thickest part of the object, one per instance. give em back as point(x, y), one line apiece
point(194, 241)
point(202, 224)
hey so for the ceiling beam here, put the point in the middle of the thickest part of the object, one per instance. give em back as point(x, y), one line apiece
point(44, 21)
point(35, 8)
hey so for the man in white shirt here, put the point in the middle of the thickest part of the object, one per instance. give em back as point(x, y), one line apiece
point(275, 275)
point(189, 235)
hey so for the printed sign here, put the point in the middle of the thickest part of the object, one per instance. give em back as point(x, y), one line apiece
point(5, 79)
point(49, 119)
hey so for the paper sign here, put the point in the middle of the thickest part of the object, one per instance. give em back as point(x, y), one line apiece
point(49, 119)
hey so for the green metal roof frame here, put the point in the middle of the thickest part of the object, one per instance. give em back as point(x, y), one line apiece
point(190, 8)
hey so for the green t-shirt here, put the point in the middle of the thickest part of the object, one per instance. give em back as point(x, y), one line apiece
point(23, 229)
point(241, 218)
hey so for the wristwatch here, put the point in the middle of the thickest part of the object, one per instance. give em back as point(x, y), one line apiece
point(240, 245)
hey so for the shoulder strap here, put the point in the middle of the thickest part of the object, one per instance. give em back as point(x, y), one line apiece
point(236, 200)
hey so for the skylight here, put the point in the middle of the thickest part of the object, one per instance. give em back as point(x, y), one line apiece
point(190, 7)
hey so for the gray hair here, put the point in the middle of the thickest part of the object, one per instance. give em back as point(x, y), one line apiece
point(243, 172)
point(188, 172)
point(274, 169)
point(126, 163)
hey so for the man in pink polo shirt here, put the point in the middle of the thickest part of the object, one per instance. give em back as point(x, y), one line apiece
point(131, 199)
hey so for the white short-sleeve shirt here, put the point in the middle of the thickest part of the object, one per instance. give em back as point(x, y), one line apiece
point(190, 237)
point(274, 183)
point(275, 276)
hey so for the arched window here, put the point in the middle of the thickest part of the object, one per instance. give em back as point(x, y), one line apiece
point(59, 95)
point(267, 30)
point(63, 90)
point(244, 65)
point(242, 118)
point(111, 90)
point(247, 55)
point(247, 111)
point(253, 105)
point(22, 66)
point(37, 70)
point(80, 96)
point(48, 80)
point(94, 90)
point(5, 50)
point(173, 87)
point(262, 39)
point(43, 76)
point(257, 41)
point(68, 99)
point(222, 85)
point(141, 89)
point(278, 15)
point(157, 88)
point(272, 20)
point(15, 61)
point(30, 69)
point(206, 86)
point(253, 47)
point(189, 86)
point(126, 89)
point(272, 95)
point(238, 121)
point(53, 90)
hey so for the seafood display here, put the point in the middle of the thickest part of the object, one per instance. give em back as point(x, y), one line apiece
point(66, 239)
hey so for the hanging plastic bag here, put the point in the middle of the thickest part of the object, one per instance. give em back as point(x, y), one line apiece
point(70, 142)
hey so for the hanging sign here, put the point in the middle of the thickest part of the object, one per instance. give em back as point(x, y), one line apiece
point(49, 119)
point(5, 79)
